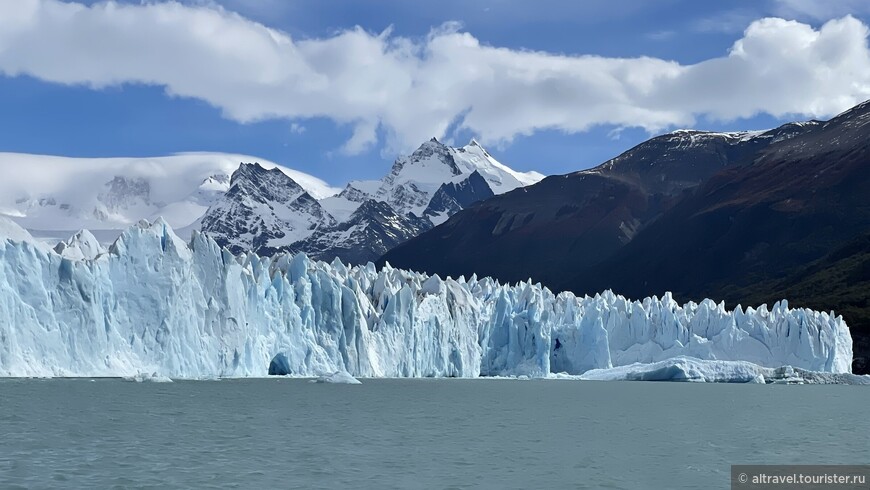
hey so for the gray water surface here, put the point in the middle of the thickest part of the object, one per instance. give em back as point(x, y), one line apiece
point(289, 433)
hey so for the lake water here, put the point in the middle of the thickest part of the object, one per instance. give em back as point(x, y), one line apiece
point(289, 433)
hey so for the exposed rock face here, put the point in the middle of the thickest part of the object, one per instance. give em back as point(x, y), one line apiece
point(264, 211)
point(372, 230)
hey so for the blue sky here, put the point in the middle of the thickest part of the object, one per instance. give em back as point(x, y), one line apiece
point(154, 107)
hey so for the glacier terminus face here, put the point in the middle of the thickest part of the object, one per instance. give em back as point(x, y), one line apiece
point(153, 303)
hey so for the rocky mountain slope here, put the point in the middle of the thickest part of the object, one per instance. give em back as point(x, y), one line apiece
point(264, 210)
point(373, 229)
point(572, 221)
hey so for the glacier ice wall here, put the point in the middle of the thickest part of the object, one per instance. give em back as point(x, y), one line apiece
point(153, 303)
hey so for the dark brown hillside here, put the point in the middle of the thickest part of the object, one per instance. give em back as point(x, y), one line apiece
point(564, 224)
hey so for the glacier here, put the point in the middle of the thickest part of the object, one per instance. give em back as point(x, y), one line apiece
point(154, 303)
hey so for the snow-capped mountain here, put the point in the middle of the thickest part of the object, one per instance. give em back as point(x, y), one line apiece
point(421, 190)
point(370, 231)
point(264, 210)
point(246, 203)
point(414, 179)
point(53, 196)
point(367, 218)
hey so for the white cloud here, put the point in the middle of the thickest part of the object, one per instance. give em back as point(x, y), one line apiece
point(365, 135)
point(296, 128)
point(411, 90)
point(821, 9)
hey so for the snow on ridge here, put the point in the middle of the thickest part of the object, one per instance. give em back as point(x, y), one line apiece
point(414, 179)
point(487, 162)
point(738, 135)
point(156, 304)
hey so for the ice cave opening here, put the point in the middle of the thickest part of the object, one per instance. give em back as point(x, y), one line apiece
point(280, 365)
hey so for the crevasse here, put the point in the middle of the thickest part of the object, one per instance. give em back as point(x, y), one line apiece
point(156, 304)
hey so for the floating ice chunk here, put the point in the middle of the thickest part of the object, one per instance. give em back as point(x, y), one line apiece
point(338, 377)
point(148, 378)
point(715, 371)
point(681, 369)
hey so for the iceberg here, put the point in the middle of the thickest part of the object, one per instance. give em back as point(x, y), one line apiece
point(147, 378)
point(154, 303)
point(337, 377)
point(690, 369)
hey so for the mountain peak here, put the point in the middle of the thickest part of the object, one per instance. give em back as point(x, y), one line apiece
point(269, 184)
point(250, 170)
point(430, 145)
point(475, 147)
point(429, 153)
point(260, 176)
point(264, 211)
